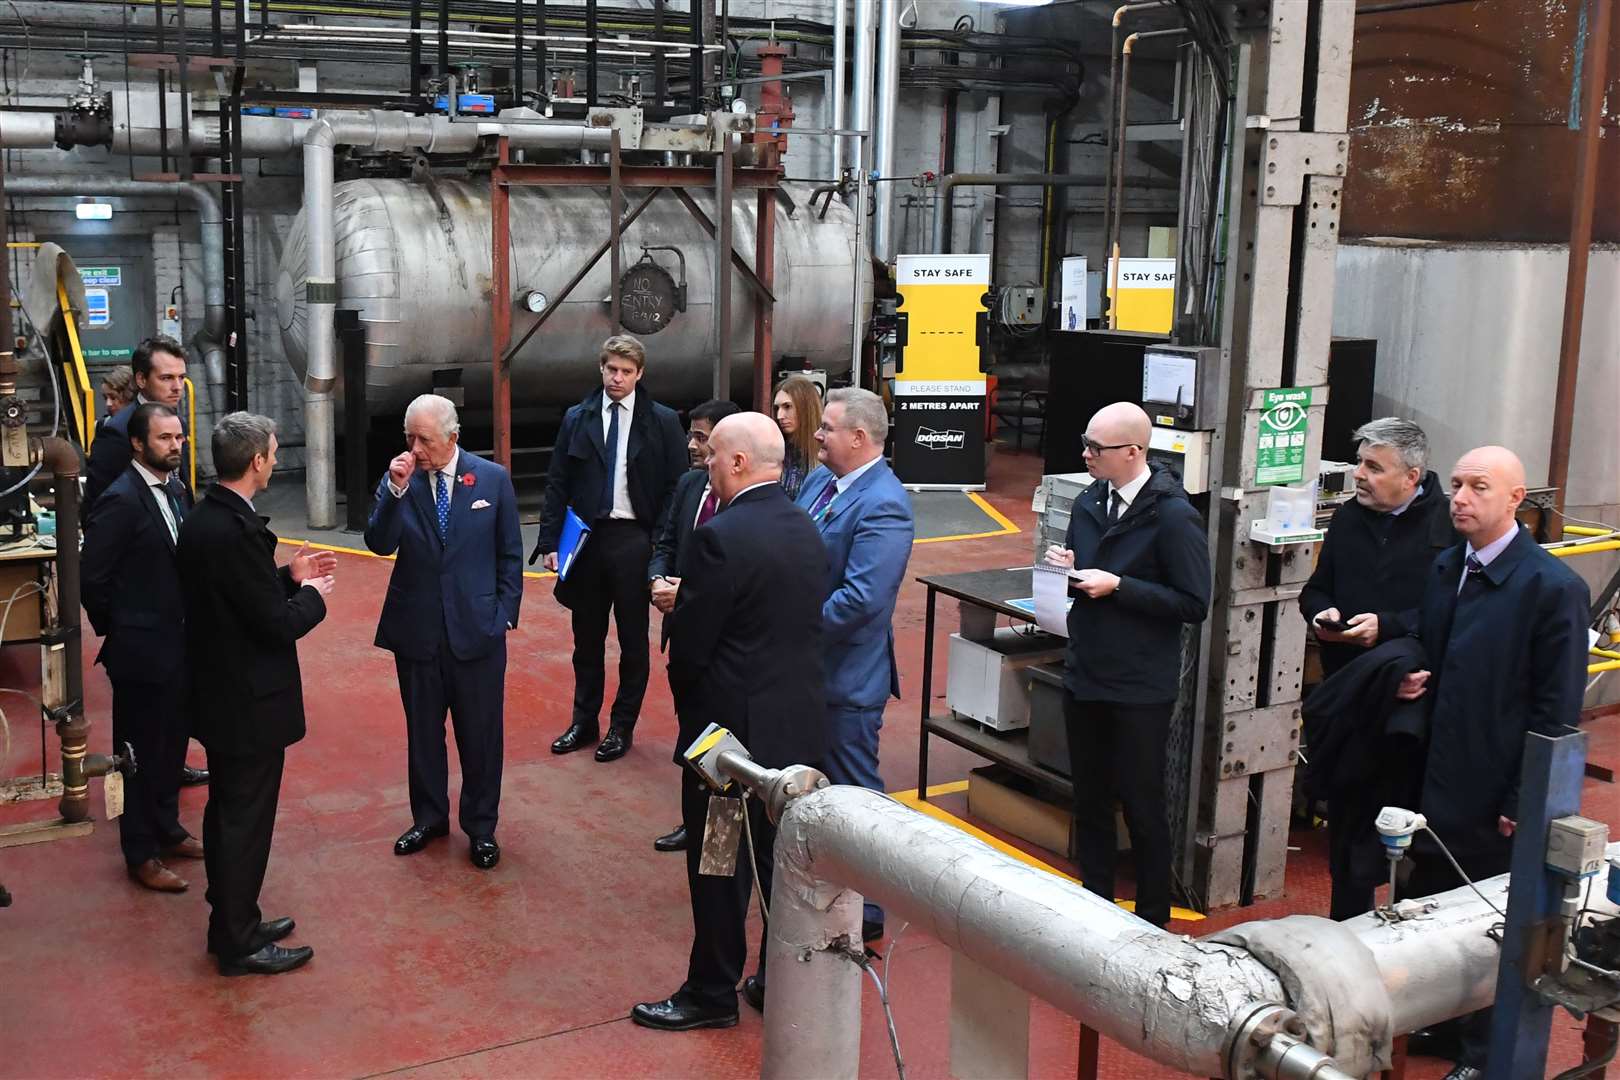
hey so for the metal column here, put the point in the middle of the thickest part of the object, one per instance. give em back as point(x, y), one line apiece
point(722, 270)
point(1290, 152)
point(765, 321)
point(500, 240)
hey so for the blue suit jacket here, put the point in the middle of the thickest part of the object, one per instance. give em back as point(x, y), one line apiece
point(471, 584)
point(868, 532)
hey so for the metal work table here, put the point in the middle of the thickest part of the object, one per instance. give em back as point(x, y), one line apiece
point(988, 589)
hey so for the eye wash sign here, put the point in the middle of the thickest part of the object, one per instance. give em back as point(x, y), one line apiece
point(939, 386)
point(1279, 456)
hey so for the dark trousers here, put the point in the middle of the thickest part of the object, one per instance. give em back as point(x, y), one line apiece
point(151, 718)
point(237, 827)
point(474, 693)
point(610, 575)
point(1351, 859)
point(720, 904)
point(1118, 752)
point(1431, 874)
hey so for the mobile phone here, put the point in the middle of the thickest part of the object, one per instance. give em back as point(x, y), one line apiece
point(1338, 626)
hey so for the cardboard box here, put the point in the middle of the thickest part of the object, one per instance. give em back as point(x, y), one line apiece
point(1001, 798)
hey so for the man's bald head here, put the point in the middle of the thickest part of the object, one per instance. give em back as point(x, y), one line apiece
point(1116, 442)
point(1487, 486)
point(745, 449)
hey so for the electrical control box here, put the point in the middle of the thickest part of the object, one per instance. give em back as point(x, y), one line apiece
point(1185, 452)
point(1179, 385)
point(1575, 846)
point(1024, 305)
point(988, 681)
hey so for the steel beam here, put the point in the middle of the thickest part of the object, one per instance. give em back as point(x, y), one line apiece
point(633, 176)
point(500, 239)
point(615, 212)
point(765, 314)
point(722, 269)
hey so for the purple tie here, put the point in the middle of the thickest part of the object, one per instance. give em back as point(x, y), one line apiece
point(711, 503)
point(820, 505)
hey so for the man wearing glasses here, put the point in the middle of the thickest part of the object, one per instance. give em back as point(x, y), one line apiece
point(1143, 571)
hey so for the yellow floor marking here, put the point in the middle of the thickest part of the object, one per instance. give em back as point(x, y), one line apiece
point(295, 541)
point(909, 798)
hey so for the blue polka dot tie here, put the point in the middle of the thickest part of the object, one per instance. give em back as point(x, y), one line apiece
point(441, 502)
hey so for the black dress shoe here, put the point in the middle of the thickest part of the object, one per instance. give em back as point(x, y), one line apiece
point(576, 737)
point(271, 931)
point(614, 744)
point(190, 777)
point(1437, 1042)
point(270, 960)
point(416, 838)
point(672, 841)
point(485, 853)
point(871, 931)
point(753, 992)
point(1465, 1072)
point(673, 1015)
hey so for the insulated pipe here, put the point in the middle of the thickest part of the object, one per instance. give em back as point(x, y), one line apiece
point(860, 108)
point(27, 130)
point(1165, 996)
point(211, 228)
point(840, 64)
point(888, 101)
point(956, 180)
point(395, 132)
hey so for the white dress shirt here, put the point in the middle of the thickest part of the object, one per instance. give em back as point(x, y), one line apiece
point(1487, 554)
point(844, 482)
point(1129, 491)
point(158, 486)
point(622, 510)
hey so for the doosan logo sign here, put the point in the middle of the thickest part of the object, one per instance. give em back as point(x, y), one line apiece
point(929, 439)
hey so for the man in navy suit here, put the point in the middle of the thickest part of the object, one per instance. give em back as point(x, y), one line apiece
point(694, 503)
point(159, 364)
point(1505, 627)
point(132, 595)
point(744, 653)
point(617, 458)
point(454, 593)
point(864, 515)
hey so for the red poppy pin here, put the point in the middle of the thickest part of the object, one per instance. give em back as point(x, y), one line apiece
point(468, 479)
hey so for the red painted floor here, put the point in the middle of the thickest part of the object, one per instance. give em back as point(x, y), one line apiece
point(428, 967)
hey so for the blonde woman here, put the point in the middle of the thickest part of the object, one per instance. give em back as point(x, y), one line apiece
point(797, 407)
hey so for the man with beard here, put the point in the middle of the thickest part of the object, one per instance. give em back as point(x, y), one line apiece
point(132, 594)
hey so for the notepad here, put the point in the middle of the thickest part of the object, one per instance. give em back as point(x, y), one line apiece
point(574, 534)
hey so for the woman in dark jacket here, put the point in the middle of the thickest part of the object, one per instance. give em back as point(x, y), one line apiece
point(798, 414)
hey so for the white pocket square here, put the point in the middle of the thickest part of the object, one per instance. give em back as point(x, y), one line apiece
point(480, 504)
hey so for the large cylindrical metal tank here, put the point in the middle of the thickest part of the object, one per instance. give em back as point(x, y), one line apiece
point(417, 268)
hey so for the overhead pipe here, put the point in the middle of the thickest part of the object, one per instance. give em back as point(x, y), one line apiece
point(840, 65)
point(1594, 60)
point(999, 180)
point(860, 107)
point(210, 341)
point(396, 132)
point(1116, 135)
point(1112, 265)
point(888, 101)
point(1183, 1002)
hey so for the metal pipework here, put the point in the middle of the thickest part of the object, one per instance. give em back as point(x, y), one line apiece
point(1270, 1042)
point(956, 180)
point(860, 106)
point(211, 230)
point(1116, 135)
point(888, 92)
point(395, 132)
point(840, 64)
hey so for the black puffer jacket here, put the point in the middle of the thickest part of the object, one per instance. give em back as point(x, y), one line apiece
point(1126, 647)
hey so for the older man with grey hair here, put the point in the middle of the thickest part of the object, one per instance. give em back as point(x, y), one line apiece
point(1365, 590)
point(864, 516)
point(451, 517)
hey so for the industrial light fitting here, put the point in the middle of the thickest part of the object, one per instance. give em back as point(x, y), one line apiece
point(93, 211)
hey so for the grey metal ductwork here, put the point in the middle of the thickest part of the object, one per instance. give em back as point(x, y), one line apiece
point(956, 180)
point(210, 341)
point(1182, 1002)
point(396, 132)
point(888, 101)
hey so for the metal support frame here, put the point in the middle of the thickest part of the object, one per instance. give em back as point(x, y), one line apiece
point(1549, 787)
point(351, 338)
point(652, 179)
point(1282, 213)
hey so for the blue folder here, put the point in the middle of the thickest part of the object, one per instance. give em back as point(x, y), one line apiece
point(574, 534)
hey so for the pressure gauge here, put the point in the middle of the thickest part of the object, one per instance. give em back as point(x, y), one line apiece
point(740, 107)
point(534, 300)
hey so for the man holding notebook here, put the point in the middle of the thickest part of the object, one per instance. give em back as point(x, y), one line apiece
point(617, 459)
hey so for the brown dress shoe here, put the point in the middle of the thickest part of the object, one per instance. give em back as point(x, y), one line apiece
point(189, 848)
point(154, 875)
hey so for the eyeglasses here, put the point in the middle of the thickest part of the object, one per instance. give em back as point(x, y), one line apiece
point(1092, 446)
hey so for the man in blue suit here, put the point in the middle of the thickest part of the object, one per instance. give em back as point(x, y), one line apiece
point(864, 515)
point(453, 520)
